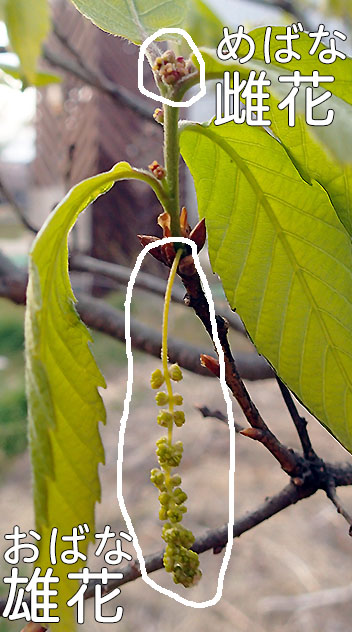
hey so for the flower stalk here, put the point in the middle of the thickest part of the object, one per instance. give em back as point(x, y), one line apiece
point(179, 559)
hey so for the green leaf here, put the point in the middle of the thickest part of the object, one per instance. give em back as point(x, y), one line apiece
point(341, 69)
point(284, 259)
point(342, 8)
point(336, 138)
point(28, 25)
point(62, 385)
point(313, 162)
point(203, 25)
point(134, 19)
point(40, 79)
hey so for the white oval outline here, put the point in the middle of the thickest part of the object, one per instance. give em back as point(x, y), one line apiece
point(157, 97)
point(123, 422)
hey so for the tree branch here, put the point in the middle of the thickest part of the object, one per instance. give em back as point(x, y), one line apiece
point(336, 501)
point(217, 414)
point(300, 422)
point(196, 299)
point(80, 70)
point(216, 539)
point(8, 195)
point(144, 281)
point(102, 317)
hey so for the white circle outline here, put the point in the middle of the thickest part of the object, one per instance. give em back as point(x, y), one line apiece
point(157, 97)
point(124, 418)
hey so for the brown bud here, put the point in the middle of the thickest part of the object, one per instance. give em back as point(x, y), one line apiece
point(157, 170)
point(159, 116)
point(253, 433)
point(168, 252)
point(164, 220)
point(184, 225)
point(298, 481)
point(198, 234)
point(186, 266)
point(211, 364)
point(156, 252)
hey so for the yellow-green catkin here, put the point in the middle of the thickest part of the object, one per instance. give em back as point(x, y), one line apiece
point(179, 559)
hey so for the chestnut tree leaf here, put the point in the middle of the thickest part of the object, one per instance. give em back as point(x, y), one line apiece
point(64, 405)
point(28, 24)
point(134, 19)
point(284, 259)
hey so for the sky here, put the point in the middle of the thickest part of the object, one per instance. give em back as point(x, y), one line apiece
point(17, 109)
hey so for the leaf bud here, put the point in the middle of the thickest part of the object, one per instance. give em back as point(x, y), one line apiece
point(157, 170)
point(159, 116)
point(211, 364)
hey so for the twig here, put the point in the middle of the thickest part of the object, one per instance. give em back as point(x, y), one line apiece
point(196, 299)
point(332, 495)
point(122, 274)
point(306, 601)
point(341, 474)
point(144, 281)
point(8, 195)
point(217, 414)
point(300, 422)
point(118, 93)
point(102, 317)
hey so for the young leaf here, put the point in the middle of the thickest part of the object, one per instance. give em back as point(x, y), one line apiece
point(28, 24)
point(134, 19)
point(284, 259)
point(62, 387)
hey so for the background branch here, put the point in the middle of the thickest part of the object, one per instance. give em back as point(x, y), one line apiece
point(145, 281)
point(10, 198)
point(216, 539)
point(217, 414)
point(102, 317)
point(80, 70)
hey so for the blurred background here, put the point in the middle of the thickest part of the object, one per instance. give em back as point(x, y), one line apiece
point(83, 115)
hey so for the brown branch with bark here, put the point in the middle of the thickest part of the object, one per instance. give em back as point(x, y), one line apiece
point(77, 67)
point(100, 316)
point(216, 539)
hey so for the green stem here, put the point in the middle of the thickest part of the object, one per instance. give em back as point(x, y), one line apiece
point(164, 356)
point(171, 162)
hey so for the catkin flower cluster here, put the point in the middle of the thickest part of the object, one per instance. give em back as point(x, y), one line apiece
point(178, 558)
